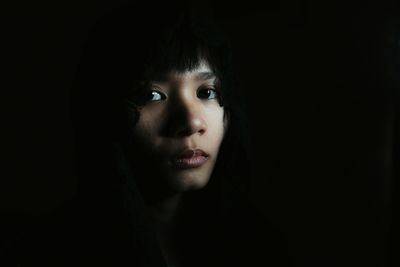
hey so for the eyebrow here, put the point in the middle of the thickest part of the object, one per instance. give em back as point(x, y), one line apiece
point(205, 75)
point(160, 77)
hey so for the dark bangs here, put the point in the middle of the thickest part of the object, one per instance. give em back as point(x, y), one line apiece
point(183, 45)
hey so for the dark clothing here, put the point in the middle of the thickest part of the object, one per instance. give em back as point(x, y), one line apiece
point(108, 228)
point(72, 238)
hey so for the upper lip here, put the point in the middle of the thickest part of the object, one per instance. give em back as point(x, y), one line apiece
point(188, 153)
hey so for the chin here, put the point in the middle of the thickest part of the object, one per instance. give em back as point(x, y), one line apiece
point(184, 183)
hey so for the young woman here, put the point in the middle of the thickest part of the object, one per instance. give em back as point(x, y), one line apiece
point(161, 148)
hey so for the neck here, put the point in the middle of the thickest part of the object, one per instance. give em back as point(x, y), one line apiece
point(164, 212)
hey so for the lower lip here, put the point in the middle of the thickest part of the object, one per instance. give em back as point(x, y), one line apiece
point(188, 163)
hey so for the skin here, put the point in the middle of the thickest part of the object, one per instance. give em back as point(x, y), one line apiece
point(182, 112)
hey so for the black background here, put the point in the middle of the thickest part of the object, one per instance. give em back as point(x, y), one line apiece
point(315, 78)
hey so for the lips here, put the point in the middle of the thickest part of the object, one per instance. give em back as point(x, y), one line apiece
point(190, 159)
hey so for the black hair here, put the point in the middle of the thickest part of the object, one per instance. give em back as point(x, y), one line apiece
point(122, 50)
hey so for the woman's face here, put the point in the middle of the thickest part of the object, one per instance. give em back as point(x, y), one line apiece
point(180, 130)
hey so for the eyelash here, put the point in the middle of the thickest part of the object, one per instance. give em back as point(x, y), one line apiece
point(162, 96)
point(215, 91)
point(141, 98)
point(144, 99)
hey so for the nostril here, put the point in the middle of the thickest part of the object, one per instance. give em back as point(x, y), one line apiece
point(183, 132)
point(185, 122)
point(188, 128)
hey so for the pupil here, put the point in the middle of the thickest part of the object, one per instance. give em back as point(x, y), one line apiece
point(154, 96)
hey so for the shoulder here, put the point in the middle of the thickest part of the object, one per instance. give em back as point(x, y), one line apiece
point(251, 239)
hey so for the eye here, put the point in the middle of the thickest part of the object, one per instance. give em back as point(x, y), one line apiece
point(154, 96)
point(148, 96)
point(207, 93)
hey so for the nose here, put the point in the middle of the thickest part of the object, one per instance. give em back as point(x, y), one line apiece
point(186, 119)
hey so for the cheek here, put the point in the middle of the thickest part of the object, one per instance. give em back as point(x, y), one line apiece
point(216, 125)
point(146, 129)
